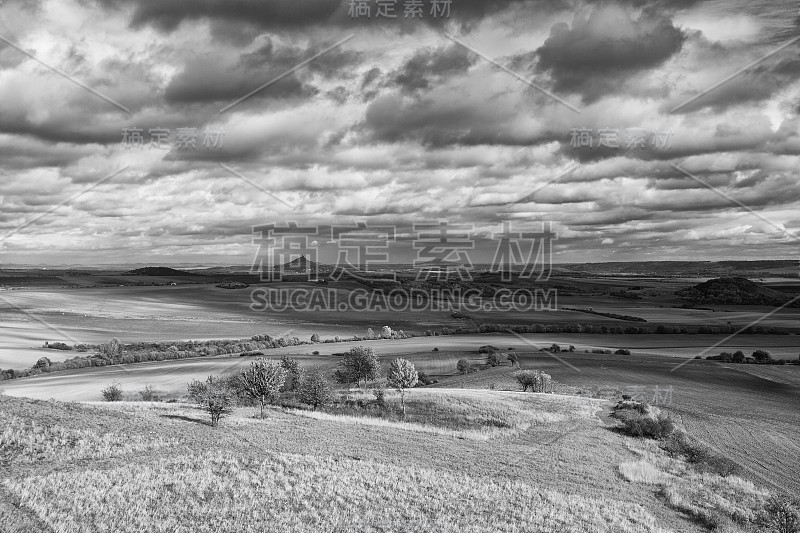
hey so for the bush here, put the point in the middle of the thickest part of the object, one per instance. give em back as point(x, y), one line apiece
point(536, 380)
point(380, 397)
point(112, 393)
point(57, 346)
point(488, 348)
point(627, 404)
point(436, 349)
point(42, 363)
point(493, 359)
point(643, 426)
point(314, 390)
point(424, 379)
point(622, 351)
point(762, 356)
point(514, 359)
point(463, 366)
point(781, 514)
point(216, 396)
point(703, 458)
point(148, 394)
point(315, 352)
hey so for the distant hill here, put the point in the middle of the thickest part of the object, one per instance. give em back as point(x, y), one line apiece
point(733, 291)
point(301, 264)
point(158, 271)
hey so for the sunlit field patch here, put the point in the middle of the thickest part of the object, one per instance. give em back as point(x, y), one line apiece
point(472, 414)
point(292, 493)
point(26, 441)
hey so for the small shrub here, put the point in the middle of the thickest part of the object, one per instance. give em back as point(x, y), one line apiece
point(148, 394)
point(380, 397)
point(436, 349)
point(463, 366)
point(642, 426)
point(493, 359)
point(112, 393)
point(627, 404)
point(315, 352)
point(424, 379)
point(622, 351)
point(216, 396)
point(781, 514)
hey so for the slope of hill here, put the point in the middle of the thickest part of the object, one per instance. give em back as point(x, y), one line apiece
point(131, 467)
point(302, 264)
point(733, 291)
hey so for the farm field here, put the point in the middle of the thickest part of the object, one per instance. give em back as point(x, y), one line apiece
point(197, 312)
point(749, 415)
point(171, 377)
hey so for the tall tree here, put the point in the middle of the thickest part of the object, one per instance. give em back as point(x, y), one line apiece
point(360, 363)
point(262, 381)
point(402, 375)
point(315, 391)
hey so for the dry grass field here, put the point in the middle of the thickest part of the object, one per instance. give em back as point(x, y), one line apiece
point(747, 412)
point(294, 473)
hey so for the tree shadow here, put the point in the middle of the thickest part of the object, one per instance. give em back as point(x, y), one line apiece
point(187, 419)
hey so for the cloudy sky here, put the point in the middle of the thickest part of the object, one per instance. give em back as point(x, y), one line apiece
point(400, 124)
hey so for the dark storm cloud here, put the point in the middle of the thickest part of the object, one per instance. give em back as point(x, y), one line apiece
point(292, 15)
point(207, 78)
point(603, 47)
point(429, 65)
point(437, 122)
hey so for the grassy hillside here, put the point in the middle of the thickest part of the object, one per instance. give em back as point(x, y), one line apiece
point(158, 467)
point(132, 467)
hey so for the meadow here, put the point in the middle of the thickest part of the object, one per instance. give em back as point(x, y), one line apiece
point(497, 450)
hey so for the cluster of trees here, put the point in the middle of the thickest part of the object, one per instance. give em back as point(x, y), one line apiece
point(535, 380)
point(116, 353)
point(758, 357)
point(610, 330)
point(265, 381)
